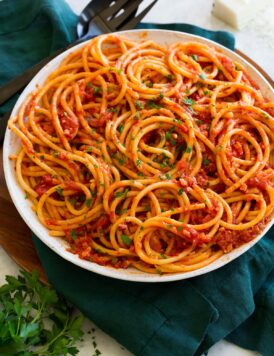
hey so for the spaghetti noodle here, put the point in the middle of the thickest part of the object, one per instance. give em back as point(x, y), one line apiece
point(144, 156)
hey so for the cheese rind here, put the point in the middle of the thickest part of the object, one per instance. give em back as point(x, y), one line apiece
point(237, 13)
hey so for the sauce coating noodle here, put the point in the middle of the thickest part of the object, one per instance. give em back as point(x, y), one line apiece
point(144, 156)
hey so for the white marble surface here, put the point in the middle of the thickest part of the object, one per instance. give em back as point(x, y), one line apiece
point(257, 41)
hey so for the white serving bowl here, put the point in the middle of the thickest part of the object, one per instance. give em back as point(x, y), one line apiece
point(58, 245)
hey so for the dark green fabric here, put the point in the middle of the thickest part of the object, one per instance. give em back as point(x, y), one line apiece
point(29, 31)
point(179, 318)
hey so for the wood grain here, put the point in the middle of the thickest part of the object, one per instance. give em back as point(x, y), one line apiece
point(15, 236)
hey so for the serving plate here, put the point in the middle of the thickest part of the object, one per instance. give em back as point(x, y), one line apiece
point(58, 245)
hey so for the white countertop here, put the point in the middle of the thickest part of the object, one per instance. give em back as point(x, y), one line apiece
point(257, 41)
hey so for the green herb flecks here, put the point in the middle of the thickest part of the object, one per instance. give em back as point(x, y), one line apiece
point(126, 240)
point(188, 101)
point(139, 105)
point(202, 76)
point(188, 149)
point(59, 190)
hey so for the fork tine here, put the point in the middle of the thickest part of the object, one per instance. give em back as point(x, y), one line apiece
point(131, 24)
point(117, 21)
point(109, 11)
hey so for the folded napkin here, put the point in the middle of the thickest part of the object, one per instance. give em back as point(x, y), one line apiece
point(178, 318)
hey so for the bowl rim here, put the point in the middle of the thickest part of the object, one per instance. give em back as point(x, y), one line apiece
point(121, 274)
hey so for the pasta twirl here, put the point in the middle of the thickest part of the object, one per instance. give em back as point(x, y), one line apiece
point(144, 156)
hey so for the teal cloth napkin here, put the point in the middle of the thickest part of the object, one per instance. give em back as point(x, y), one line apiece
point(29, 31)
point(179, 318)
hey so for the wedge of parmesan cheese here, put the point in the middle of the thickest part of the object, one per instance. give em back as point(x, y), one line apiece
point(237, 13)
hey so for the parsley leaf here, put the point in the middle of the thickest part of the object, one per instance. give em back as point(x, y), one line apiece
point(59, 190)
point(88, 202)
point(37, 320)
point(188, 149)
point(139, 105)
point(202, 76)
point(206, 162)
point(188, 101)
point(126, 240)
point(73, 235)
point(120, 128)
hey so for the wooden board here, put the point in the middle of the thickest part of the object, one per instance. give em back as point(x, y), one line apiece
point(15, 236)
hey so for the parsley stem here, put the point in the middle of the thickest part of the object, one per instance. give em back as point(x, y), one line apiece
point(46, 346)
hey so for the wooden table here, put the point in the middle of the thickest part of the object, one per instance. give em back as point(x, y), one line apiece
point(15, 236)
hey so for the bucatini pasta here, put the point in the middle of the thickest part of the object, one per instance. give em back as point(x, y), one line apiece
point(144, 156)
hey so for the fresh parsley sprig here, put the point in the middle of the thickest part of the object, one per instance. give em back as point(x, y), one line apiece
point(35, 320)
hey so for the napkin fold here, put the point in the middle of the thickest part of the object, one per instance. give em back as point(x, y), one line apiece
point(177, 318)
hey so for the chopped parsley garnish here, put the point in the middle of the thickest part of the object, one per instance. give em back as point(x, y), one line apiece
point(119, 71)
point(88, 149)
point(206, 92)
point(59, 190)
point(96, 90)
point(72, 201)
point(120, 128)
point(89, 85)
point(118, 194)
point(194, 56)
point(187, 90)
point(163, 255)
point(88, 202)
point(138, 162)
point(112, 109)
point(149, 84)
point(206, 162)
point(169, 77)
point(181, 191)
point(199, 122)
point(188, 101)
point(140, 174)
point(73, 235)
point(202, 76)
point(152, 105)
point(161, 96)
point(168, 176)
point(139, 105)
point(188, 149)
point(169, 136)
point(126, 240)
